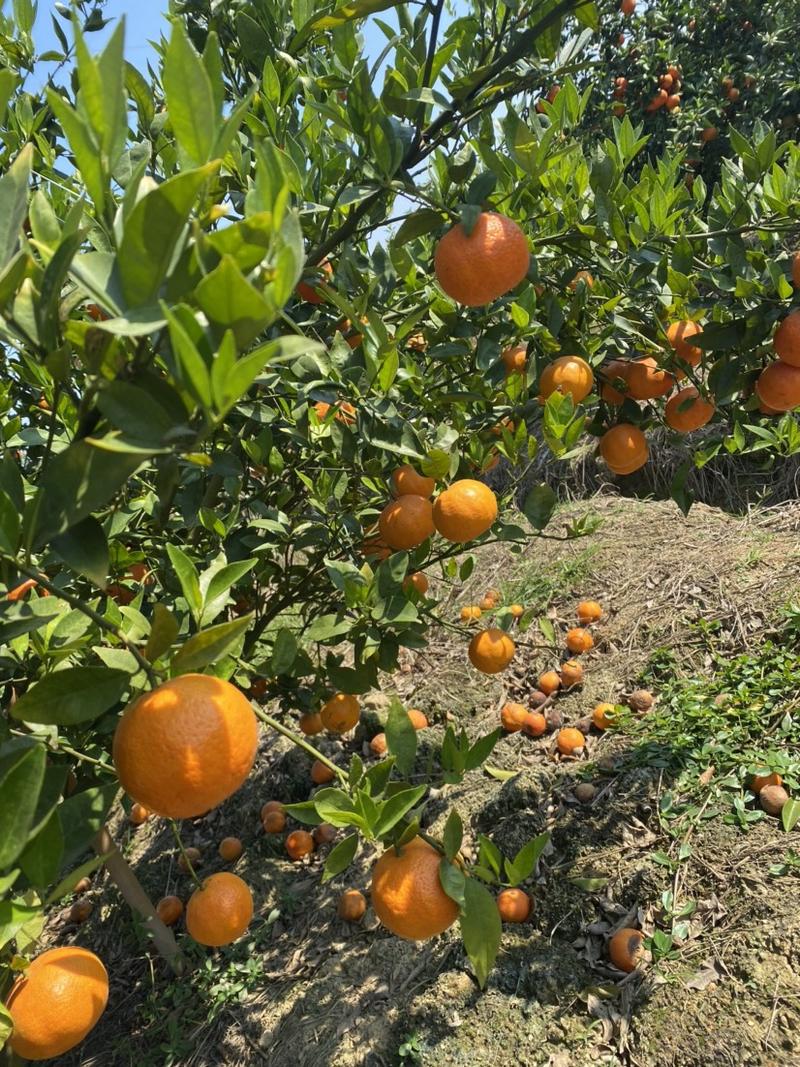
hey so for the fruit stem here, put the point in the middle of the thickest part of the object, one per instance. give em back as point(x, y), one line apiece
point(299, 741)
point(177, 835)
point(131, 889)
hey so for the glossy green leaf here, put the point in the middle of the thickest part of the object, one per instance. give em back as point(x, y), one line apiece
point(193, 112)
point(340, 857)
point(14, 203)
point(71, 695)
point(84, 548)
point(21, 775)
point(481, 928)
point(210, 645)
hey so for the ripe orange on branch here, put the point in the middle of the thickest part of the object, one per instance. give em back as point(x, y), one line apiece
point(778, 386)
point(406, 522)
point(307, 290)
point(786, 339)
point(678, 334)
point(56, 1002)
point(483, 266)
point(646, 380)
point(612, 374)
point(624, 448)
point(340, 713)
point(465, 510)
point(185, 746)
point(515, 359)
point(491, 651)
point(407, 894)
point(220, 910)
point(687, 410)
point(569, 375)
point(407, 481)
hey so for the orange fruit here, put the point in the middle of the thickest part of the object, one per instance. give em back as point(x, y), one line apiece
point(465, 510)
point(579, 640)
point(646, 380)
point(378, 746)
point(549, 682)
point(624, 448)
point(345, 412)
point(582, 276)
point(220, 910)
point(612, 373)
point(407, 894)
point(230, 849)
point(491, 651)
point(488, 604)
point(274, 822)
point(603, 716)
point(418, 720)
point(760, 781)
point(321, 773)
point(56, 1002)
point(516, 611)
point(138, 814)
point(271, 805)
point(570, 741)
point(324, 834)
point(512, 717)
point(19, 591)
point(589, 611)
point(709, 133)
point(185, 746)
point(786, 339)
point(85, 884)
point(567, 374)
point(299, 843)
point(514, 905)
point(169, 910)
point(665, 81)
point(796, 270)
point(407, 482)
point(571, 673)
point(477, 269)
point(515, 359)
point(658, 101)
point(406, 522)
point(672, 102)
point(306, 289)
point(687, 410)
point(625, 948)
point(534, 725)
point(340, 713)
point(352, 906)
point(678, 334)
point(778, 386)
point(310, 723)
point(627, 7)
point(189, 855)
point(417, 581)
point(80, 911)
point(470, 613)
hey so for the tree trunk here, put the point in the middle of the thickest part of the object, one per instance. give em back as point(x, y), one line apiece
point(131, 889)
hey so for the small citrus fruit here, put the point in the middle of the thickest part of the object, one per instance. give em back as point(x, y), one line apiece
point(624, 448)
point(310, 723)
point(220, 910)
point(516, 611)
point(569, 375)
point(470, 613)
point(571, 673)
point(378, 746)
point(478, 268)
point(549, 682)
point(786, 339)
point(169, 910)
point(321, 773)
point(625, 948)
point(406, 522)
point(515, 359)
point(80, 911)
point(190, 855)
point(274, 822)
point(352, 906)
point(603, 716)
point(465, 510)
point(407, 893)
point(687, 410)
point(759, 781)
point(570, 741)
point(340, 713)
point(407, 481)
point(324, 834)
point(138, 815)
point(678, 334)
point(417, 581)
point(534, 725)
point(418, 719)
point(646, 380)
point(512, 717)
point(514, 905)
point(778, 386)
point(491, 651)
point(230, 849)
point(589, 611)
point(299, 843)
point(579, 640)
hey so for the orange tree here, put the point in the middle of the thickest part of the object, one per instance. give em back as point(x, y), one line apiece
point(235, 301)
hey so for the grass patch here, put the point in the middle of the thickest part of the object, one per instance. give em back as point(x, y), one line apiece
point(539, 583)
point(740, 718)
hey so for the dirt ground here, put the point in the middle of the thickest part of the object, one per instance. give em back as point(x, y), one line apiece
point(306, 988)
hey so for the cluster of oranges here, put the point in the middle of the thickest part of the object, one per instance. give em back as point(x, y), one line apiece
point(570, 741)
point(770, 792)
point(778, 385)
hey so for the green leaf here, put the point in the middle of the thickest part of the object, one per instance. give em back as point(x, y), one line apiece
point(164, 630)
point(72, 695)
point(539, 506)
point(416, 224)
point(790, 813)
point(69, 881)
point(231, 302)
point(102, 96)
point(209, 646)
point(188, 577)
point(216, 586)
point(13, 917)
point(340, 857)
point(396, 808)
point(481, 928)
point(524, 863)
point(500, 774)
point(193, 112)
point(84, 548)
point(84, 148)
point(453, 881)
point(40, 860)
point(481, 749)
point(401, 737)
point(590, 885)
point(21, 775)
point(152, 232)
point(135, 411)
point(82, 815)
point(9, 524)
point(336, 807)
point(14, 203)
point(284, 651)
point(77, 482)
point(453, 834)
